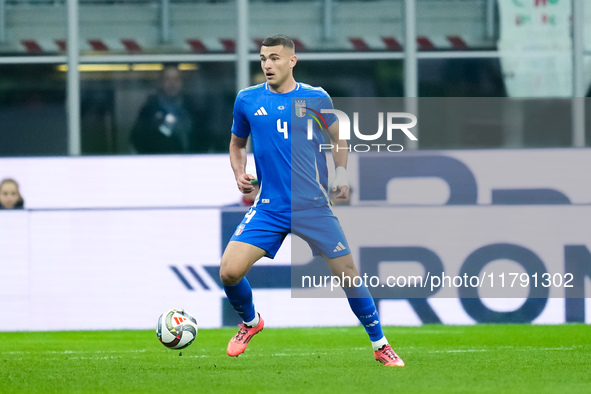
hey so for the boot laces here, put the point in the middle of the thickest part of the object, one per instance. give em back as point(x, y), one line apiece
point(388, 352)
point(241, 332)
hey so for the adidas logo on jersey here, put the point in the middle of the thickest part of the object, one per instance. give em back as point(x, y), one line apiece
point(260, 111)
point(339, 247)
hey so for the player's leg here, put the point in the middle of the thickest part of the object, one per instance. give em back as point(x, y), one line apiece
point(359, 297)
point(363, 306)
point(260, 234)
point(237, 260)
point(323, 232)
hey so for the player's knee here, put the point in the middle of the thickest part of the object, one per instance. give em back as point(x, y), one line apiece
point(230, 276)
point(350, 271)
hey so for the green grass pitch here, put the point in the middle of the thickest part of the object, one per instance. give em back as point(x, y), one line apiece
point(439, 359)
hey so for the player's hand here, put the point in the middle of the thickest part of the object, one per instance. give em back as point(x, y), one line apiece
point(340, 184)
point(343, 192)
point(244, 183)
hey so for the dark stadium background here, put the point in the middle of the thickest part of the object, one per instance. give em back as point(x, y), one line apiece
point(64, 135)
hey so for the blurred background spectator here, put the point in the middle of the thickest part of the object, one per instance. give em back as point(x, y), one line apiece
point(169, 121)
point(10, 196)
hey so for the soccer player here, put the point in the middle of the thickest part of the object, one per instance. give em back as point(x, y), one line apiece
point(264, 112)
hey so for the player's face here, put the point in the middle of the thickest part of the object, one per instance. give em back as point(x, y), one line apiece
point(277, 63)
point(9, 195)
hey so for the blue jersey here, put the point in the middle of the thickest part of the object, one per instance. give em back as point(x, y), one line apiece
point(291, 169)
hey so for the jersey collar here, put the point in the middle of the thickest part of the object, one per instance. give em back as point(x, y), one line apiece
point(296, 88)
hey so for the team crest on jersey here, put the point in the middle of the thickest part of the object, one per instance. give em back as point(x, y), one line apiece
point(300, 108)
point(239, 230)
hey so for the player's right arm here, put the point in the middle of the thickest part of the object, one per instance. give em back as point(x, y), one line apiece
point(238, 162)
point(240, 133)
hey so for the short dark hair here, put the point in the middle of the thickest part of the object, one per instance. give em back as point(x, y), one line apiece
point(279, 39)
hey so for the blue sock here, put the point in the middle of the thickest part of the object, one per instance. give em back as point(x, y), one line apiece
point(364, 308)
point(240, 296)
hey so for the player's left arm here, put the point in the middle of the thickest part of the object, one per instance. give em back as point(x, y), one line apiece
point(340, 155)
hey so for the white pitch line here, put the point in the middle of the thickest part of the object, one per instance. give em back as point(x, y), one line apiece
point(299, 354)
point(75, 352)
point(114, 353)
point(459, 351)
point(502, 348)
point(264, 355)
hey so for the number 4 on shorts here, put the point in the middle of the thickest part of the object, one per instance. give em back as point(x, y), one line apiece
point(249, 215)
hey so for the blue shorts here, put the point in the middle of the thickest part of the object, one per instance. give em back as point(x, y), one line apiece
point(319, 227)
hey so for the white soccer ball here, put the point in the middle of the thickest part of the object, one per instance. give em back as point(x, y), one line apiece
point(176, 329)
